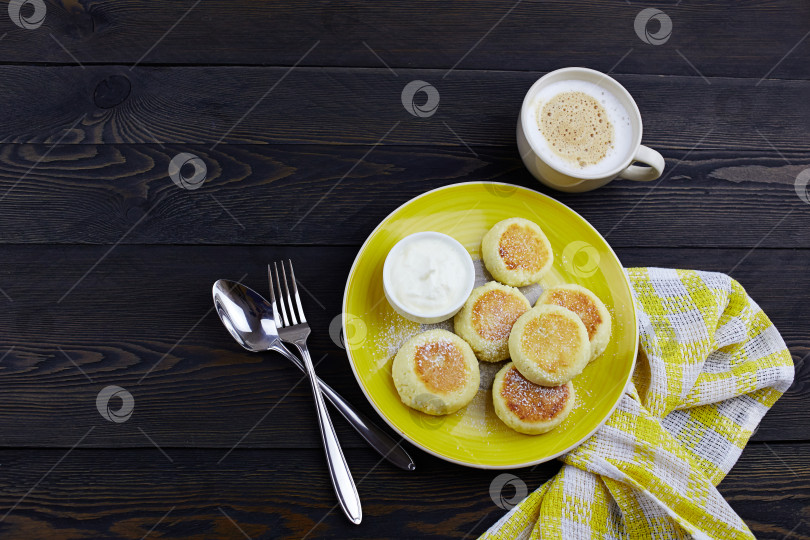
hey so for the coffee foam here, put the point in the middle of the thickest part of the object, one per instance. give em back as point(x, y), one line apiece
point(579, 142)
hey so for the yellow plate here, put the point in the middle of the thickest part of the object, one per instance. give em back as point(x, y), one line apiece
point(475, 436)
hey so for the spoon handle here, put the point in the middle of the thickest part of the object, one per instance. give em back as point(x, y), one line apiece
point(387, 447)
point(342, 480)
point(378, 439)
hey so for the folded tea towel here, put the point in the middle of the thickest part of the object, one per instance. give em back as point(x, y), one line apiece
point(710, 365)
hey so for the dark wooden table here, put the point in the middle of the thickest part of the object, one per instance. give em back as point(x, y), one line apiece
point(295, 111)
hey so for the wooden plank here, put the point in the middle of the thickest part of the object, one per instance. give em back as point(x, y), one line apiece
point(142, 319)
point(767, 489)
point(275, 494)
point(206, 105)
point(286, 494)
point(318, 194)
point(723, 38)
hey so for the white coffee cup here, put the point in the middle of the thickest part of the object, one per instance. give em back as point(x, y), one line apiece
point(566, 179)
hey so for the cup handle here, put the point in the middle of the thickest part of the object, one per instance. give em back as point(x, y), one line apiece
point(654, 169)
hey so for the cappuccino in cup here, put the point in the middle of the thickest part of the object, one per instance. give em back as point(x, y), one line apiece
point(579, 129)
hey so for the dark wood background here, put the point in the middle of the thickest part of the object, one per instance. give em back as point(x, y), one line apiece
point(107, 265)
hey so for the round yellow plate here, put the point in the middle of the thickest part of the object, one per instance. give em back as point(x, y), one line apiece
point(475, 436)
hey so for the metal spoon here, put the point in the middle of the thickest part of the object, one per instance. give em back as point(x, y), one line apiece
point(249, 319)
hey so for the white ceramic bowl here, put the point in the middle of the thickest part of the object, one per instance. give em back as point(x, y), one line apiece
point(427, 317)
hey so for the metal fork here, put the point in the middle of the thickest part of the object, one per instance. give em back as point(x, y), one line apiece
point(378, 439)
point(295, 332)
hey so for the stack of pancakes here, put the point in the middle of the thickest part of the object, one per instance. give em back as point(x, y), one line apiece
point(436, 371)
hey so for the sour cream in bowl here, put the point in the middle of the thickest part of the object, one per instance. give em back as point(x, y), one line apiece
point(427, 277)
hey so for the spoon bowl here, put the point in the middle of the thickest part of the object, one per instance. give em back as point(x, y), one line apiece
point(249, 318)
point(246, 314)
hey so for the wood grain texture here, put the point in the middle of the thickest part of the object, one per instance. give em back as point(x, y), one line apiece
point(147, 310)
point(722, 38)
point(106, 264)
point(286, 494)
point(327, 195)
point(206, 105)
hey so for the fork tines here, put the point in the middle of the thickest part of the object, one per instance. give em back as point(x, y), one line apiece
point(288, 307)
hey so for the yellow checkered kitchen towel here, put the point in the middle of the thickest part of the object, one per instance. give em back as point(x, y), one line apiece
point(710, 366)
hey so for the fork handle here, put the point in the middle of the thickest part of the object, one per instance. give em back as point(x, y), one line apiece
point(378, 439)
point(342, 480)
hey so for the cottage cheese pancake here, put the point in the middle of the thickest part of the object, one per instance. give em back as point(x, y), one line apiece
point(590, 309)
point(436, 372)
point(549, 345)
point(516, 252)
point(487, 317)
point(527, 407)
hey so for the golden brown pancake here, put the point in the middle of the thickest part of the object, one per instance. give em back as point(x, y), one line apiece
point(527, 407)
point(516, 252)
point(549, 345)
point(590, 309)
point(486, 319)
point(440, 365)
point(436, 372)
